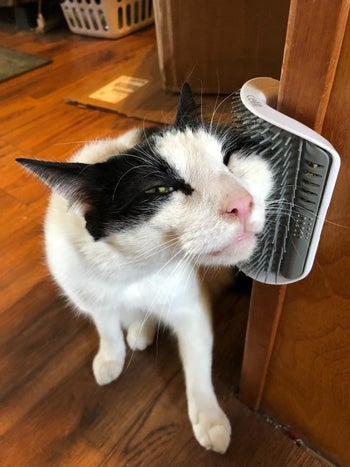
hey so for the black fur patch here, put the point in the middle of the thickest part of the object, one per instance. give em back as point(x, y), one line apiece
point(187, 115)
point(119, 190)
point(114, 195)
point(234, 142)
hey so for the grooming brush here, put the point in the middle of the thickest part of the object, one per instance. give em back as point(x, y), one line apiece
point(305, 167)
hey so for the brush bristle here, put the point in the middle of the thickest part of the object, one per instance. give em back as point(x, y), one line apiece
point(279, 252)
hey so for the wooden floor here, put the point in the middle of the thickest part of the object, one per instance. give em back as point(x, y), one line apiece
point(52, 412)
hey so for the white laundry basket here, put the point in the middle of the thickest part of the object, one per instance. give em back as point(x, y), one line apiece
point(107, 18)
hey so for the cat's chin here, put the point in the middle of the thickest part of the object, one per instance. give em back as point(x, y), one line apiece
point(239, 250)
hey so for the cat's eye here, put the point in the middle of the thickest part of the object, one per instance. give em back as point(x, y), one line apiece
point(160, 190)
point(227, 157)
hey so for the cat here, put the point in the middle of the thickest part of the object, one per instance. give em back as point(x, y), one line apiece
point(130, 225)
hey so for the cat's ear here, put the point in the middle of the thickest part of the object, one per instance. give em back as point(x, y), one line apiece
point(65, 178)
point(187, 111)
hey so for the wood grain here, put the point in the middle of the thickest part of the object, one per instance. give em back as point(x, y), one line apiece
point(312, 53)
point(308, 384)
point(265, 310)
point(51, 410)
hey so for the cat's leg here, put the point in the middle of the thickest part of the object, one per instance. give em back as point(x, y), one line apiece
point(141, 333)
point(109, 360)
point(210, 424)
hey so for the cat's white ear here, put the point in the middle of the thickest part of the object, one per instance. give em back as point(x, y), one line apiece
point(187, 111)
point(65, 178)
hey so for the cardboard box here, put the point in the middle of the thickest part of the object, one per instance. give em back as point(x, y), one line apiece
point(217, 45)
point(133, 88)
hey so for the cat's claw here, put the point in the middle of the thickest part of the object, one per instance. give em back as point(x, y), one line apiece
point(213, 430)
point(106, 371)
point(140, 335)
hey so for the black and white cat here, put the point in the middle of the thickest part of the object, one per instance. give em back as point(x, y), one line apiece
point(130, 222)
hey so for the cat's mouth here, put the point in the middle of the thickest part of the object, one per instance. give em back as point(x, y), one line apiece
point(242, 246)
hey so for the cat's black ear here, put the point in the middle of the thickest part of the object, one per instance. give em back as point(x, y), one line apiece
point(187, 111)
point(65, 178)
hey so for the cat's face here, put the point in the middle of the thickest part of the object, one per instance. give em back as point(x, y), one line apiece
point(217, 221)
point(197, 192)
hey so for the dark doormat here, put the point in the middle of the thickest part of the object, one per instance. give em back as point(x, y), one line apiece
point(14, 63)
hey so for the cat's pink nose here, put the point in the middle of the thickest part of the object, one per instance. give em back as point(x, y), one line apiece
point(241, 207)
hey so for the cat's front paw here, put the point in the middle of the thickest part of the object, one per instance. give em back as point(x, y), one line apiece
point(141, 334)
point(106, 371)
point(212, 429)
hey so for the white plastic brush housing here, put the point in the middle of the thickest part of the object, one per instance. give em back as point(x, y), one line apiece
point(259, 97)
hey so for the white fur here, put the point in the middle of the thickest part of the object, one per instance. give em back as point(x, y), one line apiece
point(148, 273)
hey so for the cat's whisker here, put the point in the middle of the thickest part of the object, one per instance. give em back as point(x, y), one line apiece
point(168, 304)
point(217, 106)
point(148, 312)
point(289, 205)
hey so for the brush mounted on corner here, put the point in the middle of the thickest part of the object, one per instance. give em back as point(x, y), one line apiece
point(305, 167)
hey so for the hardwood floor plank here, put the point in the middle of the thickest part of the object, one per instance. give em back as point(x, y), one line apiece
point(14, 181)
point(38, 342)
point(66, 360)
point(19, 315)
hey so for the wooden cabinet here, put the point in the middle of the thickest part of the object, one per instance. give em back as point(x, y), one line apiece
point(296, 364)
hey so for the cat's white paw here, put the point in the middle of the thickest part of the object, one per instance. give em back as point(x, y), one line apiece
point(140, 335)
point(212, 429)
point(106, 371)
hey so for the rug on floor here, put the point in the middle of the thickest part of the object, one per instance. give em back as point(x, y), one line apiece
point(14, 63)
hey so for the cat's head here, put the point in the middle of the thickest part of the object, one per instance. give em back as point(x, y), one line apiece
point(198, 189)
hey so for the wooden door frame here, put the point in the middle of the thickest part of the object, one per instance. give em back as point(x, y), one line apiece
point(314, 40)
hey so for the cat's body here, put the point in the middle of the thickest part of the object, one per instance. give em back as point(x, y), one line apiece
point(125, 240)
